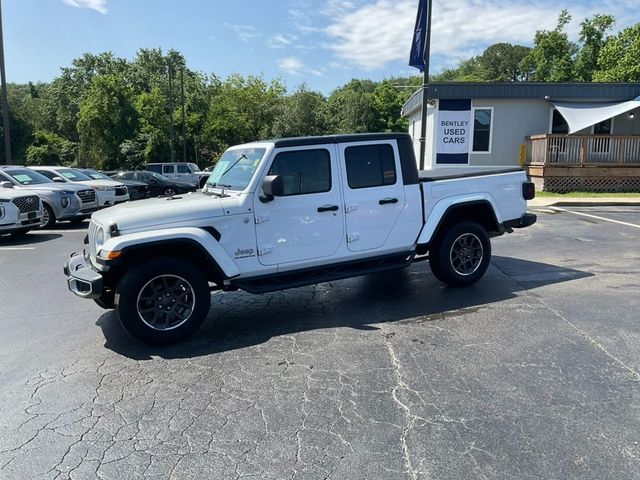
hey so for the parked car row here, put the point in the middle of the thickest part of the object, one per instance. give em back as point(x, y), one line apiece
point(73, 194)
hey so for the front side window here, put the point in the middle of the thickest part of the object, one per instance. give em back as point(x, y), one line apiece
point(482, 130)
point(183, 168)
point(303, 171)
point(370, 166)
point(167, 169)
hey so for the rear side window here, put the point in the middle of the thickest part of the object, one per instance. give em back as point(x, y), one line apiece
point(155, 168)
point(370, 166)
point(303, 171)
point(167, 169)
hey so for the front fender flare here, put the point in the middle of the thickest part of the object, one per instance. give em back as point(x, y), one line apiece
point(192, 234)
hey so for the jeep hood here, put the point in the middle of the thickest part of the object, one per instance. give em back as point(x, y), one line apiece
point(161, 212)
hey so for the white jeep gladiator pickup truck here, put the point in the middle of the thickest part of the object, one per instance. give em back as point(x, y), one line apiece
point(291, 212)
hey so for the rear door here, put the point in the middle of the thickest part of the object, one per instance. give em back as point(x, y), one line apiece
point(169, 171)
point(373, 192)
point(307, 222)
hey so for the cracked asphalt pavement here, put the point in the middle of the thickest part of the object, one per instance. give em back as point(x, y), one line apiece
point(530, 374)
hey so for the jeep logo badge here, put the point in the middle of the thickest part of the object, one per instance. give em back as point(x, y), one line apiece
point(244, 252)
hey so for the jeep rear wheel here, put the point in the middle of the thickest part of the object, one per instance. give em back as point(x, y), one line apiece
point(163, 301)
point(461, 255)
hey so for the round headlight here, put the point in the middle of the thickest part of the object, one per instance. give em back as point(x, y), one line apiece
point(99, 239)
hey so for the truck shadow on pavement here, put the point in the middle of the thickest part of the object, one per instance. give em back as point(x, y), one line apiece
point(30, 238)
point(239, 320)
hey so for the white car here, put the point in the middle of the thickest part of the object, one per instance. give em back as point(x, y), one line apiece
point(110, 192)
point(183, 172)
point(285, 213)
point(19, 212)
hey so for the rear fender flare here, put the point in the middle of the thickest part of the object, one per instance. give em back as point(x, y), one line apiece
point(439, 212)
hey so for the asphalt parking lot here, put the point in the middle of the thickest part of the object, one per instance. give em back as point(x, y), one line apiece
point(530, 374)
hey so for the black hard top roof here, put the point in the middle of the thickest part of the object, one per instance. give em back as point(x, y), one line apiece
point(356, 137)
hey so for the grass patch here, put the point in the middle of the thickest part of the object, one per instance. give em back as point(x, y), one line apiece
point(587, 194)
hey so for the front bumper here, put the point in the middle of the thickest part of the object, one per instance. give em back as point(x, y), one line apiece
point(109, 199)
point(82, 279)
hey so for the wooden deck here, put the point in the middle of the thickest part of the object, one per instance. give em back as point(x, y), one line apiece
point(596, 163)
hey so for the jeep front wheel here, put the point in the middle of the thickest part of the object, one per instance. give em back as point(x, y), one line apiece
point(163, 301)
point(461, 256)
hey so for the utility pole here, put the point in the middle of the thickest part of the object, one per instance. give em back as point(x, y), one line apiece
point(5, 99)
point(425, 86)
point(171, 132)
point(184, 135)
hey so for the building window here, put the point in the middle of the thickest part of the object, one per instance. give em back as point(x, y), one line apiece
point(558, 124)
point(370, 166)
point(482, 122)
point(602, 128)
point(303, 171)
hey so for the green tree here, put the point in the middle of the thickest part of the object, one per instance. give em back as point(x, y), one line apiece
point(502, 62)
point(593, 33)
point(551, 59)
point(350, 108)
point(618, 60)
point(107, 118)
point(51, 149)
point(387, 101)
point(300, 114)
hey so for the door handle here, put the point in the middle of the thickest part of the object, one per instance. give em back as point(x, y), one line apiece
point(385, 201)
point(328, 208)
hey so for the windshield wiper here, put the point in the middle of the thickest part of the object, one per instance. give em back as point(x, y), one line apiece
point(233, 165)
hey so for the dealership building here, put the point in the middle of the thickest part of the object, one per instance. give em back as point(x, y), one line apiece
point(569, 136)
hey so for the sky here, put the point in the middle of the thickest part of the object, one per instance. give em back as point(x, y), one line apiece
point(323, 43)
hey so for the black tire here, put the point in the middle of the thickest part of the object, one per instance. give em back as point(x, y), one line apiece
point(461, 254)
point(20, 233)
point(159, 321)
point(169, 192)
point(48, 217)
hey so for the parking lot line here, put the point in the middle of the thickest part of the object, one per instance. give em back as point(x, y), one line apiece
point(17, 248)
point(558, 209)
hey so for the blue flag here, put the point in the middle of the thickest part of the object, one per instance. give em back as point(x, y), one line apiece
point(419, 36)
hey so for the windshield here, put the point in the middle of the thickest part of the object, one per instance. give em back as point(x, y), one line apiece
point(193, 167)
point(236, 168)
point(27, 177)
point(73, 175)
point(96, 175)
point(158, 176)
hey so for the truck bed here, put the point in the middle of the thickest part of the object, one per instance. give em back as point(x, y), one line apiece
point(448, 173)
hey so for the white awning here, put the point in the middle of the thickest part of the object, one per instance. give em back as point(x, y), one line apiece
point(580, 115)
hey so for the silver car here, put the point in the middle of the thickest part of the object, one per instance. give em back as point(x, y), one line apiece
point(19, 211)
point(61, 201)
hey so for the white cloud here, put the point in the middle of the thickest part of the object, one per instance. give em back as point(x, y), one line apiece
point(281, 40)
point(245, 32)
point(370, 36)
point(97, 5)
point(291, 65)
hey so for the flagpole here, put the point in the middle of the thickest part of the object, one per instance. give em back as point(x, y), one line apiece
point(5, 101)
point(425, 87)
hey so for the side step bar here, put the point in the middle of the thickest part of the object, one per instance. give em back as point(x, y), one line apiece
point(326, 273)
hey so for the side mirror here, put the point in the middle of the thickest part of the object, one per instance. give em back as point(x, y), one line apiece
point(6, 184)
point(272, 186)
point(58, 180)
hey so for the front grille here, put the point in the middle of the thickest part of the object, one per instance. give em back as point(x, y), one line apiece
point(87, 196)
point(93, 228)
point(27, 204)
point(121, 191)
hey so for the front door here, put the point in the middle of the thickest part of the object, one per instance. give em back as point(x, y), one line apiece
point(373, 192)
point(307, 222)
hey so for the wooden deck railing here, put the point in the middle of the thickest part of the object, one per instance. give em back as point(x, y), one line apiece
point(583, 149)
